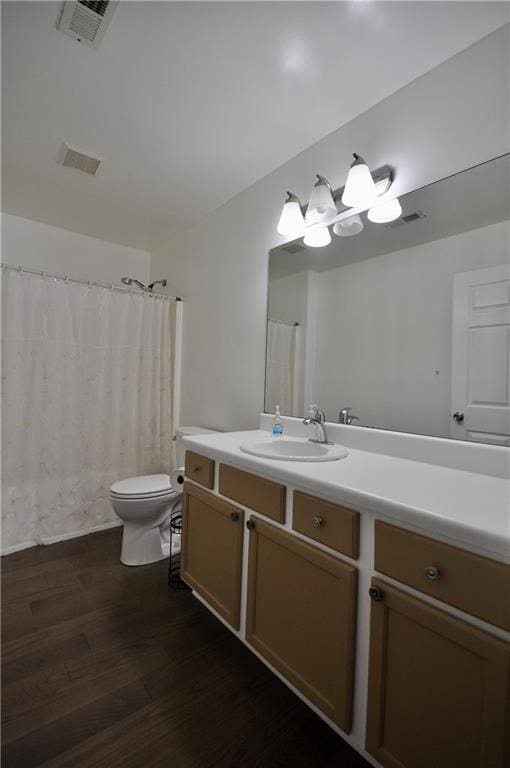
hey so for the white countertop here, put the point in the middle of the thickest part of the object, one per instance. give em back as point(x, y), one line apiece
point(462, 507)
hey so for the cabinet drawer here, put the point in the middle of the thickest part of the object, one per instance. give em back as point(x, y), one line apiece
point(200, 469)
point(257, 493)
point(474, 584)
point(328, 523)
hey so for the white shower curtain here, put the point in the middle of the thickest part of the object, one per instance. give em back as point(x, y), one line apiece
point(280, 367)
point(86, 400)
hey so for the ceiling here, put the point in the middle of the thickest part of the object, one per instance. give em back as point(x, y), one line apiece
point(475, 198)
point(190, 103)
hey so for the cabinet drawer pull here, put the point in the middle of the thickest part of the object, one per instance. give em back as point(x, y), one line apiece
point(432, 573)
point(376, 594)
point(196, 468)
point(250, 525)
point(317, 522)
point(234, 516)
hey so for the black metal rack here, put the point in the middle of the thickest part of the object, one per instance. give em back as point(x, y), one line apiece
point(174, 566)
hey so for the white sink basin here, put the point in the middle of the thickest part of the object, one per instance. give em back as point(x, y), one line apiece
point(294, 449)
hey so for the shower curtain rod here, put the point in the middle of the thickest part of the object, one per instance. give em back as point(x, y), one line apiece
point(283, 322)
point(90, 283)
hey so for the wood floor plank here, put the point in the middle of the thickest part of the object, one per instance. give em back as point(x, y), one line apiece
point(84, 545)
point(17, 590)
point(42, 698)
point(63, 734)
point(107, 668)
point(19, 643)
point(43, 657)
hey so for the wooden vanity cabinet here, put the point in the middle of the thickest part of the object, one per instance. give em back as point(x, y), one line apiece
point(258, 493)
point(212, 551)
point(474, 584)
point(199, 468)
point(330, 524)
point(301, 607)
point(438, 688)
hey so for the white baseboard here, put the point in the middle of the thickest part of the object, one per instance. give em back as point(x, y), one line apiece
point(17, 548)
point(61, 537)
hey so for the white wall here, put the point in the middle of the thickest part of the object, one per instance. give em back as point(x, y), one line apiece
point(40, 246)
point(384, 331)
point(453, 117)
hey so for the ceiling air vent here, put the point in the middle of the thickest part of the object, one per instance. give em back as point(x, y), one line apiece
point(407, 219)
point(75, 158)
point(86, 20)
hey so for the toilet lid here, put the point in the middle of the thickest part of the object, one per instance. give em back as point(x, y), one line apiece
point(141, 486)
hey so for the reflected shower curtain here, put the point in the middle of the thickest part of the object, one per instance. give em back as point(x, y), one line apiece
point(86, 400)
point(280, 367)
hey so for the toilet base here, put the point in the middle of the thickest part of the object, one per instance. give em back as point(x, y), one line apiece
point(143, 546)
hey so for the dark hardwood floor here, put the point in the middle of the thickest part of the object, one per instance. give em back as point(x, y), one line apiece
point(105, 667)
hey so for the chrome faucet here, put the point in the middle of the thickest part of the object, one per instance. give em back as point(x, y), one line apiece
point(320, 431)
point(317, 418)
point(344, 416)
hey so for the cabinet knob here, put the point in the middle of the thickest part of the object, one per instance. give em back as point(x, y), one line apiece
point(376, 594)
point(432, 573)
point(234, 516)
point(458, 416)
point(195, 468)
point(250, 525)
point(317, 522)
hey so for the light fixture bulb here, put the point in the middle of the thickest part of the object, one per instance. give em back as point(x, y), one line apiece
point(317, 237)
point(348, 227)
point(385, 211)
point(321, 206)
point(291, 221)
point(360, 190)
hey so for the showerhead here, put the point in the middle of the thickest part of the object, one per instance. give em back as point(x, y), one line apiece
point(131, 281)
point(150, 287)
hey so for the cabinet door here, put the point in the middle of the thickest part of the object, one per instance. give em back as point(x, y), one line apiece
point(212, 551)
point(438, 688)
point(301, 617)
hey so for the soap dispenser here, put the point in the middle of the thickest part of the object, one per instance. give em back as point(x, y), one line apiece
point(277, 423)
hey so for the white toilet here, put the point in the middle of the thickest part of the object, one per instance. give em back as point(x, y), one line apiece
point(145, 505)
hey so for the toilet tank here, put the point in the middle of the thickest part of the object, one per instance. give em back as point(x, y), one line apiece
point(183, 432)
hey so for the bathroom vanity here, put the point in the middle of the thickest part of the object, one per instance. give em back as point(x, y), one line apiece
point(377, 587)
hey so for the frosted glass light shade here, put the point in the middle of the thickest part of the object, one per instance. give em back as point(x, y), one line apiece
point(360, 190)
point(347, 227)
point(385, 211)
point(291, 221)
point(317, 237)
point(321, 205)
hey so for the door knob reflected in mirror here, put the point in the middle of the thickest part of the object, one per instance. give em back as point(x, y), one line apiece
point(458, 416)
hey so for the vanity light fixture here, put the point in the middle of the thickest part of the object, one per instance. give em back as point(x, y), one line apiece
point(321, 206)
point(348, 227)
point(317, 236)
point(330, 207)
point(291, 221)
point(385, 211)
point(360, 190)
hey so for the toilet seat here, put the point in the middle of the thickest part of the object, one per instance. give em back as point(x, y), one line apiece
point(132, 497)
point(142, 487)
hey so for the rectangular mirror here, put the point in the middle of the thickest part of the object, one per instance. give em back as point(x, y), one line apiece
point(406, 323)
